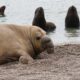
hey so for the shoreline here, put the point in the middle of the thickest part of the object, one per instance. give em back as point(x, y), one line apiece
point(65, 43)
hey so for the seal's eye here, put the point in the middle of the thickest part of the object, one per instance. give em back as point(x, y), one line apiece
point(38, 35)
point(38, 38)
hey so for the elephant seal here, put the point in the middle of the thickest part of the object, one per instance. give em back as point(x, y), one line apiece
point(21, 42)
point(72, 18)
point(39, 20)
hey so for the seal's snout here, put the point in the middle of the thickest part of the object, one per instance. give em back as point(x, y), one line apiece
point(47, 44)
point(45, 40)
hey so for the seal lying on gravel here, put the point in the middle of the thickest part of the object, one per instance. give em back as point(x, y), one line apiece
point(22, 42)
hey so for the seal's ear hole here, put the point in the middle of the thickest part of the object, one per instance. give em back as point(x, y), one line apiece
point(38, 36)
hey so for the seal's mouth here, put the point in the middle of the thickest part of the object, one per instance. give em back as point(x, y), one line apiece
point(47, 44)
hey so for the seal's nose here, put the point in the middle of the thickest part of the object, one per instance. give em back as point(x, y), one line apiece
point(47, 44)
point(45, 40)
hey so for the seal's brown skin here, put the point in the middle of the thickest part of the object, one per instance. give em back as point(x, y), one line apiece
point(39, 20)
point(2, 10)
point(21, 42)
point(72, 18)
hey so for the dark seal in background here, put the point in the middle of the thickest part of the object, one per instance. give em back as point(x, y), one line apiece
point(72, 18)
point(39, 20)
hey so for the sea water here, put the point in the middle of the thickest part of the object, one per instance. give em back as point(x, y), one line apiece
point(22, 12)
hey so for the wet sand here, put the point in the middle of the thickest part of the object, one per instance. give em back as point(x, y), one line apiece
point(63, 64)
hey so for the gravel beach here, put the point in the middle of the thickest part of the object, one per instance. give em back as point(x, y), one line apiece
point(63, 64)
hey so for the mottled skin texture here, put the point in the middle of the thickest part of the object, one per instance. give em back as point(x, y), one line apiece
point(39, 20)
point(48, 45)
point(21, 42)
point(72, 18)
point(2, 10)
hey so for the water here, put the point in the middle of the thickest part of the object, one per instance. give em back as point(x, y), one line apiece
point(22, 12)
